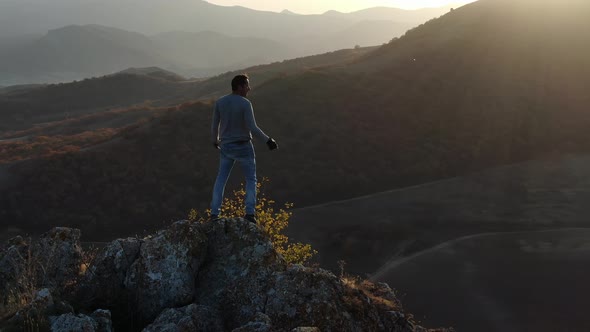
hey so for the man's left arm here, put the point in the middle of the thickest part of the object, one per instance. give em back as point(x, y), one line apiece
point(215, 127)
point(251, 124)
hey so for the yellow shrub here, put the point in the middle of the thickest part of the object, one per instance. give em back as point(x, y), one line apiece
point(272, 221)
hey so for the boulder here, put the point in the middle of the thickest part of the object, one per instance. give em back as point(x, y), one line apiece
point(239, 268)
point(314, 297)
point(103, 319)
point(14, 283)
point(163, 276)
point(58, 256)
point(36, 314)
point(73, 323)
point(103, 284)
point(51, 262)
point(186, 319)
point(99, 321)
point(261, 323)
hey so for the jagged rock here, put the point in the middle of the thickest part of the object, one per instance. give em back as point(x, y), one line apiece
point(73, 323)
point(99, 321)
point(104, 282)
point(164, 274)
point(315, 297)
point(58, 255)
point(306, 329)
point(103, 318)
point(241, 262)
point(43, 297)
point(13, 281)
point(261, 323)
point(35, 315)
point(383, 291)
point(53, 261)
point(253, 327)
point(217, 276)
point(190, 318)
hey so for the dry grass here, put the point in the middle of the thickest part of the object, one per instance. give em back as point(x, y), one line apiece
point(368, 289)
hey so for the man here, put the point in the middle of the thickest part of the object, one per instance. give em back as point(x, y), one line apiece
point(231, 131)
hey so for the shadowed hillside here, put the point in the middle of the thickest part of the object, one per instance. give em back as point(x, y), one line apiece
point(154, 72)
point(534, 195)
point(21, 109)
point(522, 281)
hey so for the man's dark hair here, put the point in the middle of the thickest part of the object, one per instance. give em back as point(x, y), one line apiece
point(238, 81)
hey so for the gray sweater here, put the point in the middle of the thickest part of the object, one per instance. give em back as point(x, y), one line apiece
point(233, 120)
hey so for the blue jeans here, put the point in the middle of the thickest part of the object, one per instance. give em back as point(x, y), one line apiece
point(243, 153)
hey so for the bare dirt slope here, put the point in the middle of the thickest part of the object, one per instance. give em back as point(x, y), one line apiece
point(521, 281)
point(369, 231)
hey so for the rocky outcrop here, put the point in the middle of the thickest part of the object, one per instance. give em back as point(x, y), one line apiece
point(44, 313)
point(104, 281)
point(98, 321)
point(163, 276)
point(240, 267)
point(190, 318)
point(13, 281)
point(58, 256)
point(218, 276)
point(51, 262)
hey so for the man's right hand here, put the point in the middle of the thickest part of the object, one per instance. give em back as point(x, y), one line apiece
point(272, 144)
point(216, 145)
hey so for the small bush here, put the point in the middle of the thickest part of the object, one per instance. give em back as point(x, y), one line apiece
point(273, 221)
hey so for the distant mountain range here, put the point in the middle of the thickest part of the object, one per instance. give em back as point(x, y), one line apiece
point(76, 52)
point(156, 16)
point(55, 42)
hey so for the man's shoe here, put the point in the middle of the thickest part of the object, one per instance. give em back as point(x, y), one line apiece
point(251, 218)
point(213, 217)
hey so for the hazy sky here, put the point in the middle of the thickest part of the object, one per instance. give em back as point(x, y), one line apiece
point(321, 6)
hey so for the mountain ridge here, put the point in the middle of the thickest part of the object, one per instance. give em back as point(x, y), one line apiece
point(76, 52)
point(45, 61)
point(186, 14)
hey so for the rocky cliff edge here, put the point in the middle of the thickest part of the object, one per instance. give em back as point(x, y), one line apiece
point(217, 276)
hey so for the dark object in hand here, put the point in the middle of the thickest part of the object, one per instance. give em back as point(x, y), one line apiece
point(272, 144)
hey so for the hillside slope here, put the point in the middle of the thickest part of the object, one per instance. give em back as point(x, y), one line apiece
point(533, 195)
point(450, 97)
point(25, 105)
point(21, 109)
point(541, 285)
